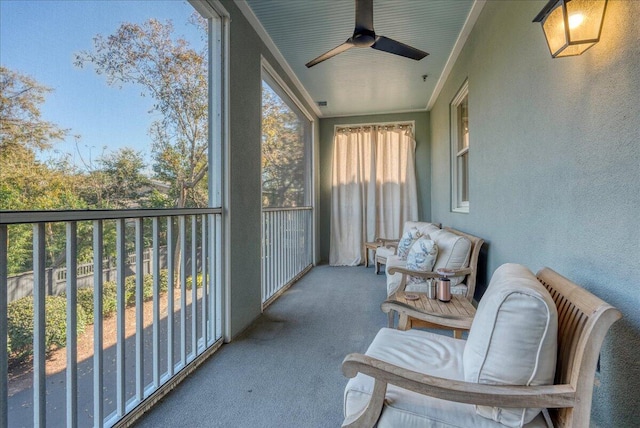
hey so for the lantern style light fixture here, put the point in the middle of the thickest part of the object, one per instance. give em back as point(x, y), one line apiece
point(571, 26)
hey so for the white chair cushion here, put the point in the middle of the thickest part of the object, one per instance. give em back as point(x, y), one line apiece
point(393, 281)
point(406, 241)
point(426, 353)
point(512, 339)
point(454, 252)
point(385, 252)
point(422, 256)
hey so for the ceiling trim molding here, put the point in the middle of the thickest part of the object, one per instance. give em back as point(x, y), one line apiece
point(262, 33)
point(388, 112)
point(474, 13)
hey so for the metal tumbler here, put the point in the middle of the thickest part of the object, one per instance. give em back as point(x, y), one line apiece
point(431, 289)
point(444, 289)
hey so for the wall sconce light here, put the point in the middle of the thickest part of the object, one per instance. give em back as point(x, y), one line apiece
point(571, 26)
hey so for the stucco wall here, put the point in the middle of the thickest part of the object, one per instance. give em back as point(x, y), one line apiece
point(555, 169)
point(244, 152)
point(423, 165)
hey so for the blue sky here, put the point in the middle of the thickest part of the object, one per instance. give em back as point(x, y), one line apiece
point(39, 38)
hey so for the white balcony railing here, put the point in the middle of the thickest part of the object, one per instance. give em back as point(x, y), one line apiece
point(287, 252)
point(160, 327)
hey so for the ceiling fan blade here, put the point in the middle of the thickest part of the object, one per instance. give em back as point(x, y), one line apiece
point(364, 15)
point(333, 52)
point(389, 45)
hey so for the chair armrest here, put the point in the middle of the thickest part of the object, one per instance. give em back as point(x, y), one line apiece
point(388, 242)
point(418, 273)
point(445, 320)
point(546, 396)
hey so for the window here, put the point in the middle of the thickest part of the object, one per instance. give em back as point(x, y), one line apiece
point(460, 150)
point(286, 148)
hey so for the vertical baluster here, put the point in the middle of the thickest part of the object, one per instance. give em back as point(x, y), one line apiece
point(213, 272)
point(205, 277)
point(4, 358)
point(299, 248)
point(278, 250)
point(156, 301)
point(39, 351)
point(263, 252)
point(308, 237)
point(121, 257)
point(289, 217)
point(296, 243)
point(267, 279)
point(139, 238)
point(72, 325)
point(170, 289)
point(98, 412)
point(272, 252)
point(219, 270)
point(183, 290)
point(267, 250)
point(194, 286)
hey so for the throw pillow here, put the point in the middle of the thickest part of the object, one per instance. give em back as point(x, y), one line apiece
point(422, 256)
point(455, 252)
point(407, 240)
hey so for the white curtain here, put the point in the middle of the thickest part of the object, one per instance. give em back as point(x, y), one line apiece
point(373, 188)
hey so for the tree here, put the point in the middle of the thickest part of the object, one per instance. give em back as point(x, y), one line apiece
point(283, 153)
point(21, 123)
point(175, 76)
point(25, 182)
point(118, 181)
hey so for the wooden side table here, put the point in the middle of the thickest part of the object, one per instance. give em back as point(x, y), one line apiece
point(457, 314)
point(369, 246)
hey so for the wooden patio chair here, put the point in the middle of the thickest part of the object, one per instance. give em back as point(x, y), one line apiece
point(582, 323)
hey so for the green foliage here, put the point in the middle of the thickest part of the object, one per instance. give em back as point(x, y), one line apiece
point(198, 281)
point(21, 123)
point(118, 182)
point(284, 164)
point(110, 293)
point(174, 75)
point(20, 318)
point(109, 302)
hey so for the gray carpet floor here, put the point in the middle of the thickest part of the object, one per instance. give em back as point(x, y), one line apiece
point(285, 370)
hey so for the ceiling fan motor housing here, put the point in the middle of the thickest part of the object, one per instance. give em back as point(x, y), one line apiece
point(363, 38)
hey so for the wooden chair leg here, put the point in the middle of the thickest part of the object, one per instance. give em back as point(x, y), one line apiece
point(404, 322)
point(391, 317)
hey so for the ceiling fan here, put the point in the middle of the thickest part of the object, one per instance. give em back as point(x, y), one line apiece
point(364, 36)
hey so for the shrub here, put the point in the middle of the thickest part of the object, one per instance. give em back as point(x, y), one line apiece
point(110, 294)
point(85, 300)
point(198, 281)
point(20, 318)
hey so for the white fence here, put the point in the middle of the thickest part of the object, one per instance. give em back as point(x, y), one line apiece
point(287, 247)
point(21, 285)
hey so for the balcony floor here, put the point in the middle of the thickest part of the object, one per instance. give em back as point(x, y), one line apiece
point(285, 370)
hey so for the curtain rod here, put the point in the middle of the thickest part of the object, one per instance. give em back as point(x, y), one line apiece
point(385, 126)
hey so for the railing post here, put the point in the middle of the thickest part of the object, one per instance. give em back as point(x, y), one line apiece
point(39, 350)
point(4, 357)
point(72, 325)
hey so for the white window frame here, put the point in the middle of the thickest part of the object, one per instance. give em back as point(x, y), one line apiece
point(458, 204)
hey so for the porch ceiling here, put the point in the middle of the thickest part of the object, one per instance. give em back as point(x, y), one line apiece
point(366, 81)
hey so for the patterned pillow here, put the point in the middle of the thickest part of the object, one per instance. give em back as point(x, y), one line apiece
point(422, 256)
point(407, 240)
